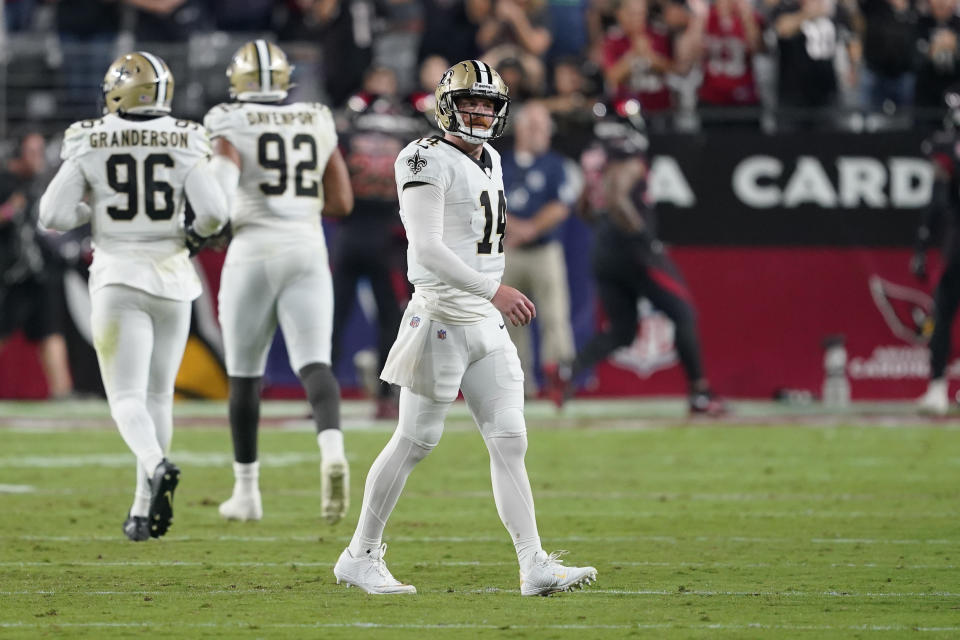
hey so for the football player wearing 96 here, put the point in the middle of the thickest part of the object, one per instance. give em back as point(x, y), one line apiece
point(143, 170)
point(452, 336)
point(284, 158)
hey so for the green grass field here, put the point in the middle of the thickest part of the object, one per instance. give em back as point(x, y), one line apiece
point(765, 526)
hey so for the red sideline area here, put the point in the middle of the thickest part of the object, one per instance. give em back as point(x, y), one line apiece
point(763, 315)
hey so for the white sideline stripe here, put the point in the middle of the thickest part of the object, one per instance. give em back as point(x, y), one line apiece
point(492, 590)
point(473, 539)
point(477, 563)
point(193, 458)
point(559, 627)
point(17, 488)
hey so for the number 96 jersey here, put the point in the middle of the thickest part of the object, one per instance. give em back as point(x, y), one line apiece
point(284, 151)
point(135, 171)
point(474, 220)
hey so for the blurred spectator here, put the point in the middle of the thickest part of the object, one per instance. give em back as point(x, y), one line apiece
point(889, 43)
point(423, 100)
point(638, 56)
point(450, 28)
point(937, 46)
point(242, 15)
point(516, 32)
point(18, 14)
point(31, 294)
point(522, 80)
point(169, 20)
point(567, 20)
point(344, 30)
point(570, 105)
point(87, 30)
point(538, 201)
point(522, 23)
point(725, 44)
point(809, 34)
point(369, 242)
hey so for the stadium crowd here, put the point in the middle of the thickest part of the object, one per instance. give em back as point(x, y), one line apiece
point(688, 62)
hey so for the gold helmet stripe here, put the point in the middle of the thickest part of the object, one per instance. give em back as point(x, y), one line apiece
point(161, 76)
point(263, 58)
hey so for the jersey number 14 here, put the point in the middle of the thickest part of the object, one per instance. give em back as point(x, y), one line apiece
point(485, 246)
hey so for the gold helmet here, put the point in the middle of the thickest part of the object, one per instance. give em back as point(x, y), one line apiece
point(138, 82)
point(259, 72)
point(478, 79)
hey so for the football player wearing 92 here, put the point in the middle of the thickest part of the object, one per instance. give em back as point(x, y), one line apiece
point(452, 335)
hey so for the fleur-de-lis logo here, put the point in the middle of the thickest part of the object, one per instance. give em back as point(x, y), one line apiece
point(416, 163)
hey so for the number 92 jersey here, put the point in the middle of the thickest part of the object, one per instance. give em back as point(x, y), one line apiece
point(284, 151)
point(135, 171)
point(474, 219)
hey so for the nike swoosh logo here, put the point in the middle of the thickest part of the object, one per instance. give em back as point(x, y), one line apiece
point(501, 326)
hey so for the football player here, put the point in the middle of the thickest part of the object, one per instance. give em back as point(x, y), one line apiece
point(943, 213)
point(285, 159)
point(144, 172)
point(452, 337)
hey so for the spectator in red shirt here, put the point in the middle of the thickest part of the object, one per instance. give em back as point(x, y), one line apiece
point(637, 57)
point(727, 40)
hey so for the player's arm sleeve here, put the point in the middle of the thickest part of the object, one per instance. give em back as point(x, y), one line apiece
point(206, 198)
point(62, 207)
point(422, 204)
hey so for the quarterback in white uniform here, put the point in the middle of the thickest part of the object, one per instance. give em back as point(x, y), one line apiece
point(452, 337)
point(280, 166)
point(145, 174)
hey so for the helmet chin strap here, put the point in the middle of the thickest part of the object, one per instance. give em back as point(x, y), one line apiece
point(463, 130)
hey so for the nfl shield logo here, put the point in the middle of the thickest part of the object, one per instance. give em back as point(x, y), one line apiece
point(442, 334)
point(415, 321)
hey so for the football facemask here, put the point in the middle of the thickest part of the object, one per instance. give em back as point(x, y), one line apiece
point(478, 80)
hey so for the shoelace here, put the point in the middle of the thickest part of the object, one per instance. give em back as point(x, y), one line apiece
point(554, 557)
point(379, 563)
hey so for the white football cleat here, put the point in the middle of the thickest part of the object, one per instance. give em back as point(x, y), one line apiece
point(242, 507)
point(369, 572)
point(547, 575)
point(334, 489)
point(935, 401)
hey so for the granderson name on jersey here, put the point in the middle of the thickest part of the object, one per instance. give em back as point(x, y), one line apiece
point(139, 137)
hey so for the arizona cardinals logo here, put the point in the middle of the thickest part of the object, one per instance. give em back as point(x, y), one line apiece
point(907, 311)
point(416, 163)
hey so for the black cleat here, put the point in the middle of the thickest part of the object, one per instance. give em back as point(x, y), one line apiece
point(162, 485)
point(136, 528)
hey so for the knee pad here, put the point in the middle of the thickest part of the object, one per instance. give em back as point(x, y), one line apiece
point(508, 423)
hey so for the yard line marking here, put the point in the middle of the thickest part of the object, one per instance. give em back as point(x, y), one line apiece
point(474, 539)
point(473, 626)
point(183, 458)
point(497, 590)
point(17, 488)
point(478, 563)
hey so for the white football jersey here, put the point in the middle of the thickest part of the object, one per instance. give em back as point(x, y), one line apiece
point(474, 220)
point(284, 151)
point(135, 171)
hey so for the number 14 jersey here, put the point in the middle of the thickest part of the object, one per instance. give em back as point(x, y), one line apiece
point(284, 151)
point(474, 220)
